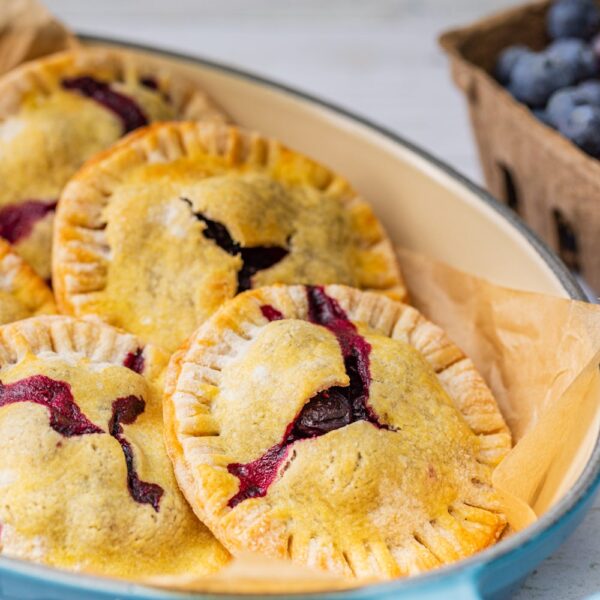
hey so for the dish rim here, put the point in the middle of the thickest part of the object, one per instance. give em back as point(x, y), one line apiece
point(580, 492)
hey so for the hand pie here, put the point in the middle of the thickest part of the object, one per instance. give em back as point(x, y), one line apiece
point(337, 428)
point(156, 233)
point(22, 292)
point(57, 112)
point(85, 482)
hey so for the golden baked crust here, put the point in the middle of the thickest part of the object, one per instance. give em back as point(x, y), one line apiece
point(86, 483)
point(22, 292)
point(158, 231)
point(337, 428)
point(49, 127)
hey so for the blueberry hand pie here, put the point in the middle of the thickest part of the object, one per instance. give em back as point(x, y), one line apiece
point(338, 428)
point(155, 234)
point(85, 482)
point(22, 292)
point(57, 112)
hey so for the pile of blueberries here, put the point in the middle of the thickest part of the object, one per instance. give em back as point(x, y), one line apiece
point(561, 84)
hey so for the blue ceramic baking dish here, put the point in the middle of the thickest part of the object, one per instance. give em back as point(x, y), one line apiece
point(471, 230)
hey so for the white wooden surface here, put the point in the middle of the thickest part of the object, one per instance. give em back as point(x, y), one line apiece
point(378, 58)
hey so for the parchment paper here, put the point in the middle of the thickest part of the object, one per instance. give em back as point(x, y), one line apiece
point(539, 355)
point(251, 573)
point(28, 31)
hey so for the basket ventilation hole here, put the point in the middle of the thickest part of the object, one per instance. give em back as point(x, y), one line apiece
point(511, 194)
point(568, 248)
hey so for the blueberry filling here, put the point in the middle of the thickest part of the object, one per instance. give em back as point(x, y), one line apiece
point(325, 412)
point(149, 82)
point(126, 108)
point(17, 220)
point(270, 313)
point(125, 411)
point(328, 410)
point(324, 310)
point(66, 417)
point(135, 361)
point(254, 259)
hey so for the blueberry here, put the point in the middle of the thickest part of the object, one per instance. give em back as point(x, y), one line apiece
point(564, 101)
point(573, 18)
point(325, 412)
point(583, 128)
point(589, 92)
point(507, 60)
point(595, 44)
point(561, 105)
point(576, 56)
point(535, 77)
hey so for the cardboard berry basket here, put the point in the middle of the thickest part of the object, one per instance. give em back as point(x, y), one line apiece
point(553, 185)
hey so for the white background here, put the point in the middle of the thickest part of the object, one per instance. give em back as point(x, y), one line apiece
point(378, 58)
